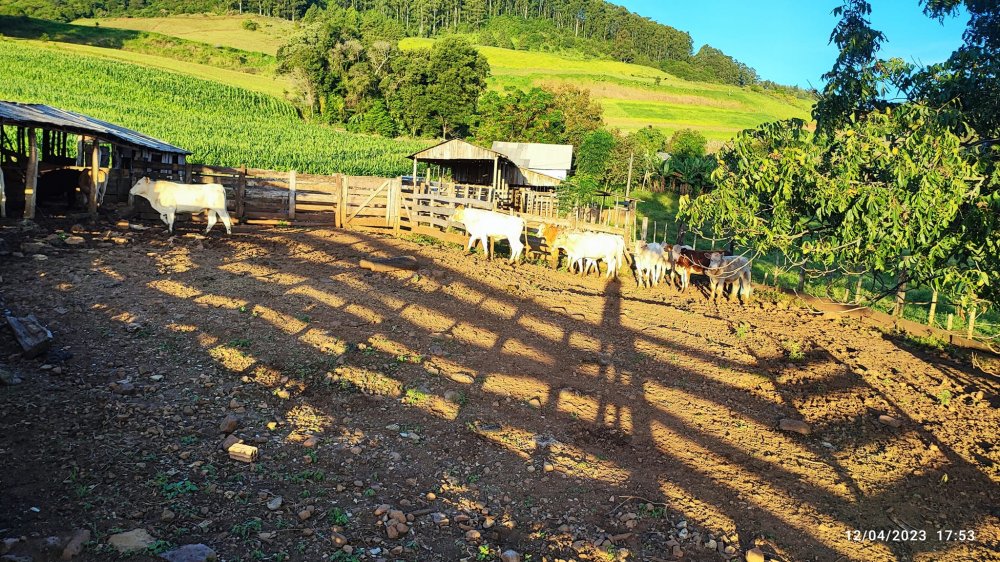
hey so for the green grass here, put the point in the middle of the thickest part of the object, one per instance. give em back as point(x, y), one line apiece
point(635, 96)
point(221, 125)
point(206, 28)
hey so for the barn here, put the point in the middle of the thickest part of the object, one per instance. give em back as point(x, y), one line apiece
point(508, 178)
point(48, 154)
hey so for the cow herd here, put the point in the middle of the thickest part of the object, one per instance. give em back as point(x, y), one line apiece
point(584, 249)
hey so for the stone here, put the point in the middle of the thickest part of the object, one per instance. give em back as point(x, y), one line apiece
point(229, 441)
point(9, 378)
point(890, 421)
point(711, 544)
point(548, 467)
point(275, 503)
point(440, 519)
point(755, 555)
point(338, 539)
point(229, 424)
point(305, 514)
point(310, 442)
point(535, 403)
point(397, 515)
point(510, 556)
point(167, 515)
point(473, 535)
point(75, 241)
point(382, 509)
point(75, 544)
point(131, 541)
point(191, 553)
point(452, 396)
point(796, 426)
point(676, 552)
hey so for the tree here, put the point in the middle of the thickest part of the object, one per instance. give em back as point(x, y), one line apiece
point(458, 76)
point(595, 154)
point(687, 143)
point(520, 116)
point(581, 115)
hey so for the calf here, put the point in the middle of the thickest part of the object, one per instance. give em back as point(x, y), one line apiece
point(481, 224)
point(169, 198)
point(733, 270)
point(650, 263)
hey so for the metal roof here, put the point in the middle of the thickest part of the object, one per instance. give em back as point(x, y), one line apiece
point(48, 117)
point(537, 156)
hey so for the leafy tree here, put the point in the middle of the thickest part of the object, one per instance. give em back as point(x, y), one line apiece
point(457, 77)
point(687, 143)
point(520, 116)
point(594, 154)
point(581, 115)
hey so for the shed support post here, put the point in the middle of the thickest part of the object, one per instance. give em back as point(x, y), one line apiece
point(415, 160)
point(95, 172)
point(291, 195)
point(31, 176)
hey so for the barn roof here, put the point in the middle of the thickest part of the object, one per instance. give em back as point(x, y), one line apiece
point(48, 117)
point(537, 156)
point(456, 149)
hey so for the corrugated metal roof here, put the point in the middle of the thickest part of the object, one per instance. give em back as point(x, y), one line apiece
point(537, 156)
point(44, 116)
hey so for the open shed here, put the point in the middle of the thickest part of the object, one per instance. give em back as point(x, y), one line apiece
point(74, 151)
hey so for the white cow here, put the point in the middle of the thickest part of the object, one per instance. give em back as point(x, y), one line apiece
point(650, 263)
point(734, 270)
point(481, 224)
point(593, 246)
point(170, 198)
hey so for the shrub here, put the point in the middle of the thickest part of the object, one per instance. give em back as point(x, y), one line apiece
point(249, 25)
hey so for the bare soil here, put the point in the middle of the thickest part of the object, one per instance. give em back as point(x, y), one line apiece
point(565, 418)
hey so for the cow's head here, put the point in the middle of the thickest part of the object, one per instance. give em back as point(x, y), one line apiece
point(459, 214)
point(142, 188)
point(714, 259)
point(640, 245)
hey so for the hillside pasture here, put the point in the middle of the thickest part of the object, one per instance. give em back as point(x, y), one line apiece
point(221, 125)
point(562, 417)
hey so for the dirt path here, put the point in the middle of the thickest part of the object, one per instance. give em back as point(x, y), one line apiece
point(527, 406)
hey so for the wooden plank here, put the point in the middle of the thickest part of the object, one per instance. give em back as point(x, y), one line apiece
point(309, 207)
point(445, 236)
point(34, 338)
point(95, 178)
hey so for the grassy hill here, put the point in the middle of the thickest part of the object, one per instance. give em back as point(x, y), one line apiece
point(221, 124)
point(633, 96)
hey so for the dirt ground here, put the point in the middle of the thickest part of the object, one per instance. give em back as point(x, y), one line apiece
point(496, 407)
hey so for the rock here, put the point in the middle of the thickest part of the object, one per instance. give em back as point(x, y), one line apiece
point(510, 556)
point(229, 424)
point(755, 555)
point(397, 515)
point(337, 539)
point(132, 541)
point(35, 247)
point(77, 228)
point(452, 396)
point(74, 241)
point(711, 544)
point(796, 426)
point(676, 552)
point(489, 522)
point(473, 535)
point(682, 534)
point(890, 421)
point(462, 378)
point(310, 442)
point(382, 509)
point(305, 514)
point(548, 467)
point(75, 544)
point(229, 441)
point(167, 515)
point(123, 387)
point(440, 519)
point(535, 403)
point(191, 553)
point(392, 427)
point(275, 503)
point(409, 263)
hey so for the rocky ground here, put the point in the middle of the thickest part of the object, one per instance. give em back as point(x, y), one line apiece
point(468, 410)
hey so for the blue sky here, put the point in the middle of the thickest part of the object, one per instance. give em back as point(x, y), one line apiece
point(788, 40)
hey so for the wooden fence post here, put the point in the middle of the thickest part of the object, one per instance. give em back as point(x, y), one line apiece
point(801, 287)
point(397, 204)
point(241, 195)
point(645, 228)
point(900, 296)
point(971, 330)
point(951, 321)
point(857, 289)
point(342, 202)
point(933, 310)
point(291, 195)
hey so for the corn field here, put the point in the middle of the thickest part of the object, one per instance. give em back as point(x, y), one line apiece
point(221, 125)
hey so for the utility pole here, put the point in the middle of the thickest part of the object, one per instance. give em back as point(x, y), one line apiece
point(628, 185)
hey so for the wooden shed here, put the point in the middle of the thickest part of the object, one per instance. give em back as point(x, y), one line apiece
point(80, 152)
